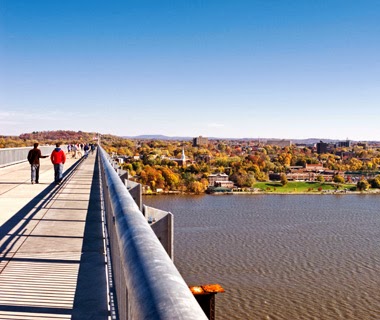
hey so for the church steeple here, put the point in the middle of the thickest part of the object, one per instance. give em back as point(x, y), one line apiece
point(183, 158)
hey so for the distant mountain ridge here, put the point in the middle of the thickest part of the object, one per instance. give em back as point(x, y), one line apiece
point(156, 137)
point(70, 135)
point(298, 141)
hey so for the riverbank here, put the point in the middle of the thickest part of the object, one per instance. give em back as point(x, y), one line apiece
point(339, 192)
point(274, 187)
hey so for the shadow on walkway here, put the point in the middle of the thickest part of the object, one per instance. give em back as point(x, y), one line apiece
point(90, 300)
point(30, 210)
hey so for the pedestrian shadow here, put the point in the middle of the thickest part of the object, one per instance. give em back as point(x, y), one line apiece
point(27, 213)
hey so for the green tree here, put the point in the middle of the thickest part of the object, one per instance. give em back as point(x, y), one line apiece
point(249, 180)
point(243, 179)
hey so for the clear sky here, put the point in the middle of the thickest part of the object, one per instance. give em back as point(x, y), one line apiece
point(254, 68)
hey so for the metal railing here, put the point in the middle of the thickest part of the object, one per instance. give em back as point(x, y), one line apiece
point(9, 156)
point(148, 285)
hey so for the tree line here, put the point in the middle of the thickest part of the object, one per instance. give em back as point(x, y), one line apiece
point(152, 162)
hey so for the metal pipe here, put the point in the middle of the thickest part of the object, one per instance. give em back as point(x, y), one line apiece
point(154, 287)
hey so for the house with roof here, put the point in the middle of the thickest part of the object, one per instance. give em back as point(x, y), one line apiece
point(219, 180)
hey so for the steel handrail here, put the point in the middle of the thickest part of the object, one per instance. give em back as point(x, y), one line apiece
point(154, 288)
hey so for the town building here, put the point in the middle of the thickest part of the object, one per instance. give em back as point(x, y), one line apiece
point(280, 143)
point(217, 179)
point(364, 145)
point(203, 158)
point(321, 147)
point(181, 161)
point(344, 144)
point(200, 141)
point(308, 173)
point(315, 167)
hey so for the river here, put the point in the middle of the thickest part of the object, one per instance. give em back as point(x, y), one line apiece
point(281, 256)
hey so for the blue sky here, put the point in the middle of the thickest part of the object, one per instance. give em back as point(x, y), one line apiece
point(258, 68)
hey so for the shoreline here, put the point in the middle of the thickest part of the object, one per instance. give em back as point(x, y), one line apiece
point(265, 193)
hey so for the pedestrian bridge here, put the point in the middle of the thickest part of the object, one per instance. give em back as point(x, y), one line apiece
point(83, 249)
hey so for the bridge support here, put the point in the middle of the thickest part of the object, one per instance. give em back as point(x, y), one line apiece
point(205, 295)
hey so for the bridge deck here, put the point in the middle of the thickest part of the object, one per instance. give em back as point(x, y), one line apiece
point(51, 244)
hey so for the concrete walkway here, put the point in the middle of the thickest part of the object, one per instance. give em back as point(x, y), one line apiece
point(52, 262)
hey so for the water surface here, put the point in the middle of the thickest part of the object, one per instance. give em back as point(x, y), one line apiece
point(281, 256)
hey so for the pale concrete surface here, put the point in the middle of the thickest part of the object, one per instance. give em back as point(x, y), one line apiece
point(15, 187)
point(52, 262)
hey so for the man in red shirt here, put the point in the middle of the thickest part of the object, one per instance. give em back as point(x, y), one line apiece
point(58, 159)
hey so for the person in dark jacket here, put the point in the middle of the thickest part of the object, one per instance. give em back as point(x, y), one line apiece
point(86, 148)
point(58, 159)
point(34, 156)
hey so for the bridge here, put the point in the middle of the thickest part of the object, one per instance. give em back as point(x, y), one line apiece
point(88, 248)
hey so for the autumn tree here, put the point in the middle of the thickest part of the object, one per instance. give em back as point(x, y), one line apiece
point(375, 183)
point(320, 178)
point(243, 179)
point(196, 186)
point(363, 184)
point(171, 179)
point(283, 179)
point(355, 164)
point(261, 176)
point(338, 178)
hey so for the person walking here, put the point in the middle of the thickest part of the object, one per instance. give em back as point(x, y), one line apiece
point(58, 159)
point(34, 156)
point(86, 148)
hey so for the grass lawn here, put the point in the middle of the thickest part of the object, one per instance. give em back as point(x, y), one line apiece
point(300, 186)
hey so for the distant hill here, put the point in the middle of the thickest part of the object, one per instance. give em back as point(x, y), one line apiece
point(156, 137)
point(59, 135)
point(48, 138)
point(68, 136)
point(307, 141)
